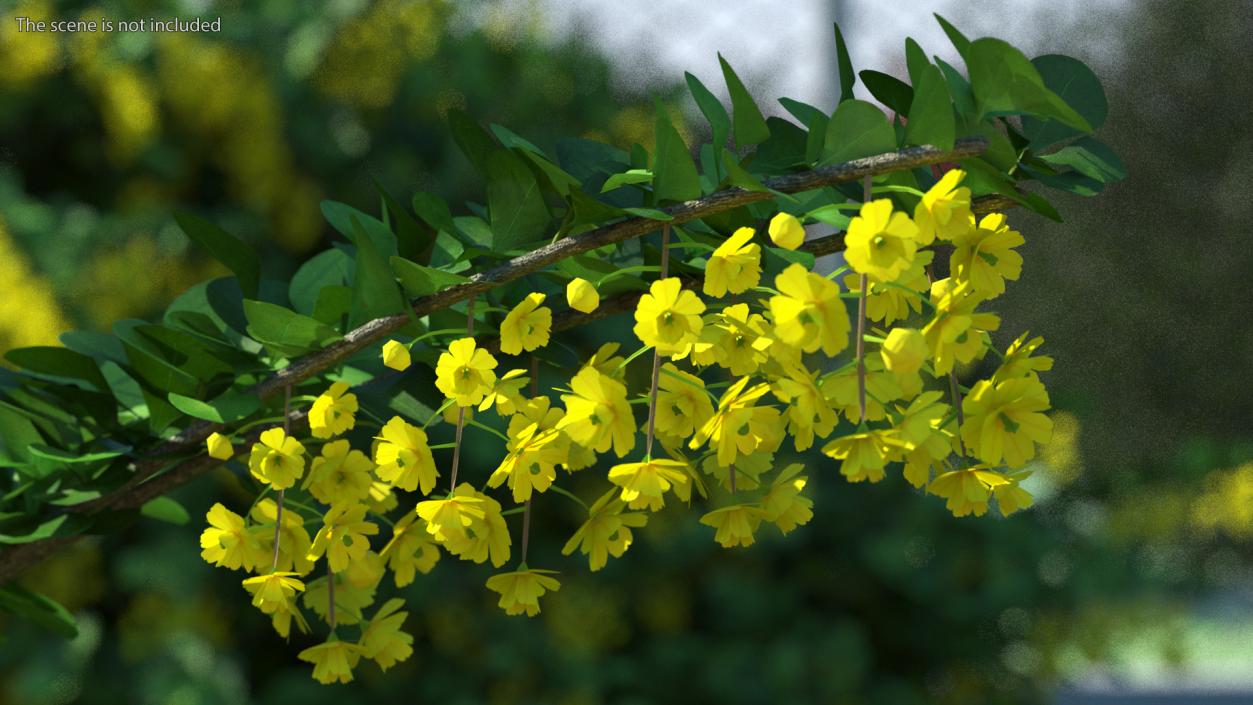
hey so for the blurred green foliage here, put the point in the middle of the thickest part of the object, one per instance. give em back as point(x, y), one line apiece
point(883, 598)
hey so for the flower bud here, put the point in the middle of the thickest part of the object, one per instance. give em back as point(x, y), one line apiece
point(396, 356)
point(903, 351)
point(220, 447)
point(786, 231)
point(582, 295)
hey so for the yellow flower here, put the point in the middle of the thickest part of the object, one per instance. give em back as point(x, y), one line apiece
point(808, 312)
point(890, 301)
point(396, 356)
point(1011, 497)
point(1005, 420)
point(597, 413)
point(786, 231)
point(526, 327)
point(944, 210)
point(531, 462)
point(643, 484)
point(277, 460)
point(668, 317)
point(464, 373)
point(841, 390)
point(520, 590)
point(879, 243)
point(582, 295)
point(957, 333)
point(343, 536)
point(735, 524)
point(784, 505)
point(273, 591)
point(731, 428)
point(808, 410)
point(903, 351)
point(339, 475)
point(382, 639)
point(448, 519)
point(738, 340)
point(682, 404)
point(469, 524)
point(227, 542)
point(410, 551)
point(967, 490)
point(404, 457)
point(332, 412)
point(219, 447)
point(350, 599)
point(607, 531)
point(606, 361)
point(735, 266)
point(985, 256)
point(1019, 362)
point(367, 572)
point(864, 454)
point(332, 661)
point(293, 540)
point(506, 394)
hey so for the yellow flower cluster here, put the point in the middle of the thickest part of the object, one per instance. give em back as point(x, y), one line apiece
point(897, 405)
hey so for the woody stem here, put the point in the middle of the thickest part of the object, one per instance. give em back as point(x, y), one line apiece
point(861, 328)
point(461, 410)
point(278, 513)
point(652, 392)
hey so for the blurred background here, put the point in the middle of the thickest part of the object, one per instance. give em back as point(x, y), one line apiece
point(1131, 581)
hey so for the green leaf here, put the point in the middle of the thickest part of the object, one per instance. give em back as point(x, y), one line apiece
point(674, 172)
point(518, 214)
point(167, 510)
point(287, 332)
point(1072, 81)
point(333, 304)
point(374, 290)
point(631, 176)
point(857, 129)
point(227, 408)
point(890, 90)
point(958, 88)
point(38, 608)
point(1005, 82)
point(58, 362)
point(237, 255)
point(341, 217)
point(959, 40)
point(65, 457)
point(144, 357)
point(423, 281)
point(43, 530)
point(815, 121)
point(330, 268)
point(738, 176)
point(473, 140)
point(747, 124)
point(848, 78)
point(413, 239)
point(915, 60)
point(1091, 158)
point(712, 109)
point(931, 116)
point(17, 434)
point(650, 213)
point(434, 211)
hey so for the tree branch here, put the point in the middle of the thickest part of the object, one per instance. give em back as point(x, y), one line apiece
point(150, 481)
